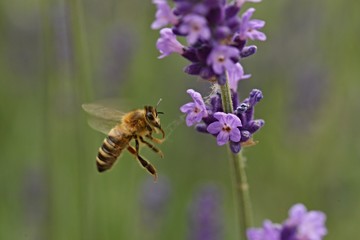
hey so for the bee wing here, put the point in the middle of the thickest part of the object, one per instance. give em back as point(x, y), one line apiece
point(101, 125)
point(102, 118)
point(102, 112)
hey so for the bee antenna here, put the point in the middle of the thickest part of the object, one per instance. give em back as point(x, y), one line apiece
point(158, 103)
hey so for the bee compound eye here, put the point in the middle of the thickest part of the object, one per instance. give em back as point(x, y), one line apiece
point(150, 116)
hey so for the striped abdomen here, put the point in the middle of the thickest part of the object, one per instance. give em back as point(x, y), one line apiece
point(111, 149)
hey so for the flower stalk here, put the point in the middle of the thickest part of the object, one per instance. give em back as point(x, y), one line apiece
point(240, 184)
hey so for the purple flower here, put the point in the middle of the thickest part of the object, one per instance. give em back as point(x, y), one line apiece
point(221, 58)
point(301, 225)
point(164, 15)
point(226, 128)
point(236, 74)
point(195, 110)
point(270, 231)
point(168, 44)
point(249, 28)
point(205, 216)
point(195, 28)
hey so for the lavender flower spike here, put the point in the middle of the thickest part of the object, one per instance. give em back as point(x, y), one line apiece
point(220, 58)
point(302, 224)
point(168, 44)
point(205, 215)
point(195, 28)
point(164, 15)
point(195, 110)
point(249, 28)
point(226, 128)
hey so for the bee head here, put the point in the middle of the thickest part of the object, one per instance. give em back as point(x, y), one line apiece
point(151, 115)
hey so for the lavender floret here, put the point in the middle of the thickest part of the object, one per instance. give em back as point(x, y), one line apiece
point(168, 43)
point(195, 110)
point(301, 224)
point(226, 128)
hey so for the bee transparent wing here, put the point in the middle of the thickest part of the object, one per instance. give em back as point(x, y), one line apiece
point(102, 118)
point(103, 112)
point(101, 125)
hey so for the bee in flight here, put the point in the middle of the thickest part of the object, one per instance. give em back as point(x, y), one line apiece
point(121, 128)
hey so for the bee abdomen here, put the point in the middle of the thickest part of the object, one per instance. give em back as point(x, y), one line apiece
point(109, 151)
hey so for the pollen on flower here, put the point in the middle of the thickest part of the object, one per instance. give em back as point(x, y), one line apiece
point(221, 58)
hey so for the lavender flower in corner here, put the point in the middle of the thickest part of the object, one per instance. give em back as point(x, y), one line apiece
point(301, 225)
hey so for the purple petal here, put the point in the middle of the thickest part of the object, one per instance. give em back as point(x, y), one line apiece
point(235, 74)
point(256, 23)
point(167, 43)
point(192, 118)
point(219, 115)
point(220, 58)
point(188, 107)
point(235, 135)
point(222, 138)
point(255, 125)
point(214, 127)
point(256, 35)
point(164, 15)
point(195, 27)
point(239, 3)
point(297, 211)
point(197, 99)
point(249, 28)
point(269, 231)
point(247, 15)
point(219, 69)
point(232, 120)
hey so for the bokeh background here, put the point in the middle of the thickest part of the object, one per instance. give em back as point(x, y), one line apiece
point(57, 54)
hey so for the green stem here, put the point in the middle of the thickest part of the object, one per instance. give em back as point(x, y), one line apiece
point(240, 184)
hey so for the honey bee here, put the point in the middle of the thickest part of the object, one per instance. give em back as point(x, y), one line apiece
point(121, 128)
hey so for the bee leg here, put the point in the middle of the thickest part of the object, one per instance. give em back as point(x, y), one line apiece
point(148, 166)
point(155, 140)
point(152, 147)
point(137, 145)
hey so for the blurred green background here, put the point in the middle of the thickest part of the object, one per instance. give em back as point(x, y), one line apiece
point(56, 55)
